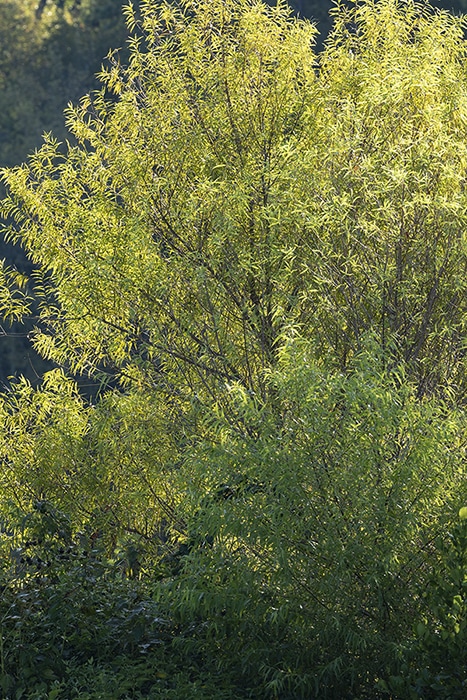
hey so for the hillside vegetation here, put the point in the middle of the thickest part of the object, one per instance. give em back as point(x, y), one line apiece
point(258, 250)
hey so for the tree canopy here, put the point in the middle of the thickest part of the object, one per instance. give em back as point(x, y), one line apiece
point(261, 247)
point(233, 192)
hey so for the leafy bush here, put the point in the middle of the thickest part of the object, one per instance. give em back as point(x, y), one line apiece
point(65, 607)
point(312, 556)
point(439, 665)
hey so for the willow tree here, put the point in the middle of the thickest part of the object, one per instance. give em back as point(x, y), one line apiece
point(266, 248)
point(236, 186)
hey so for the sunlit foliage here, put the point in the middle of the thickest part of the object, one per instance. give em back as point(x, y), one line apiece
point(262, 251)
